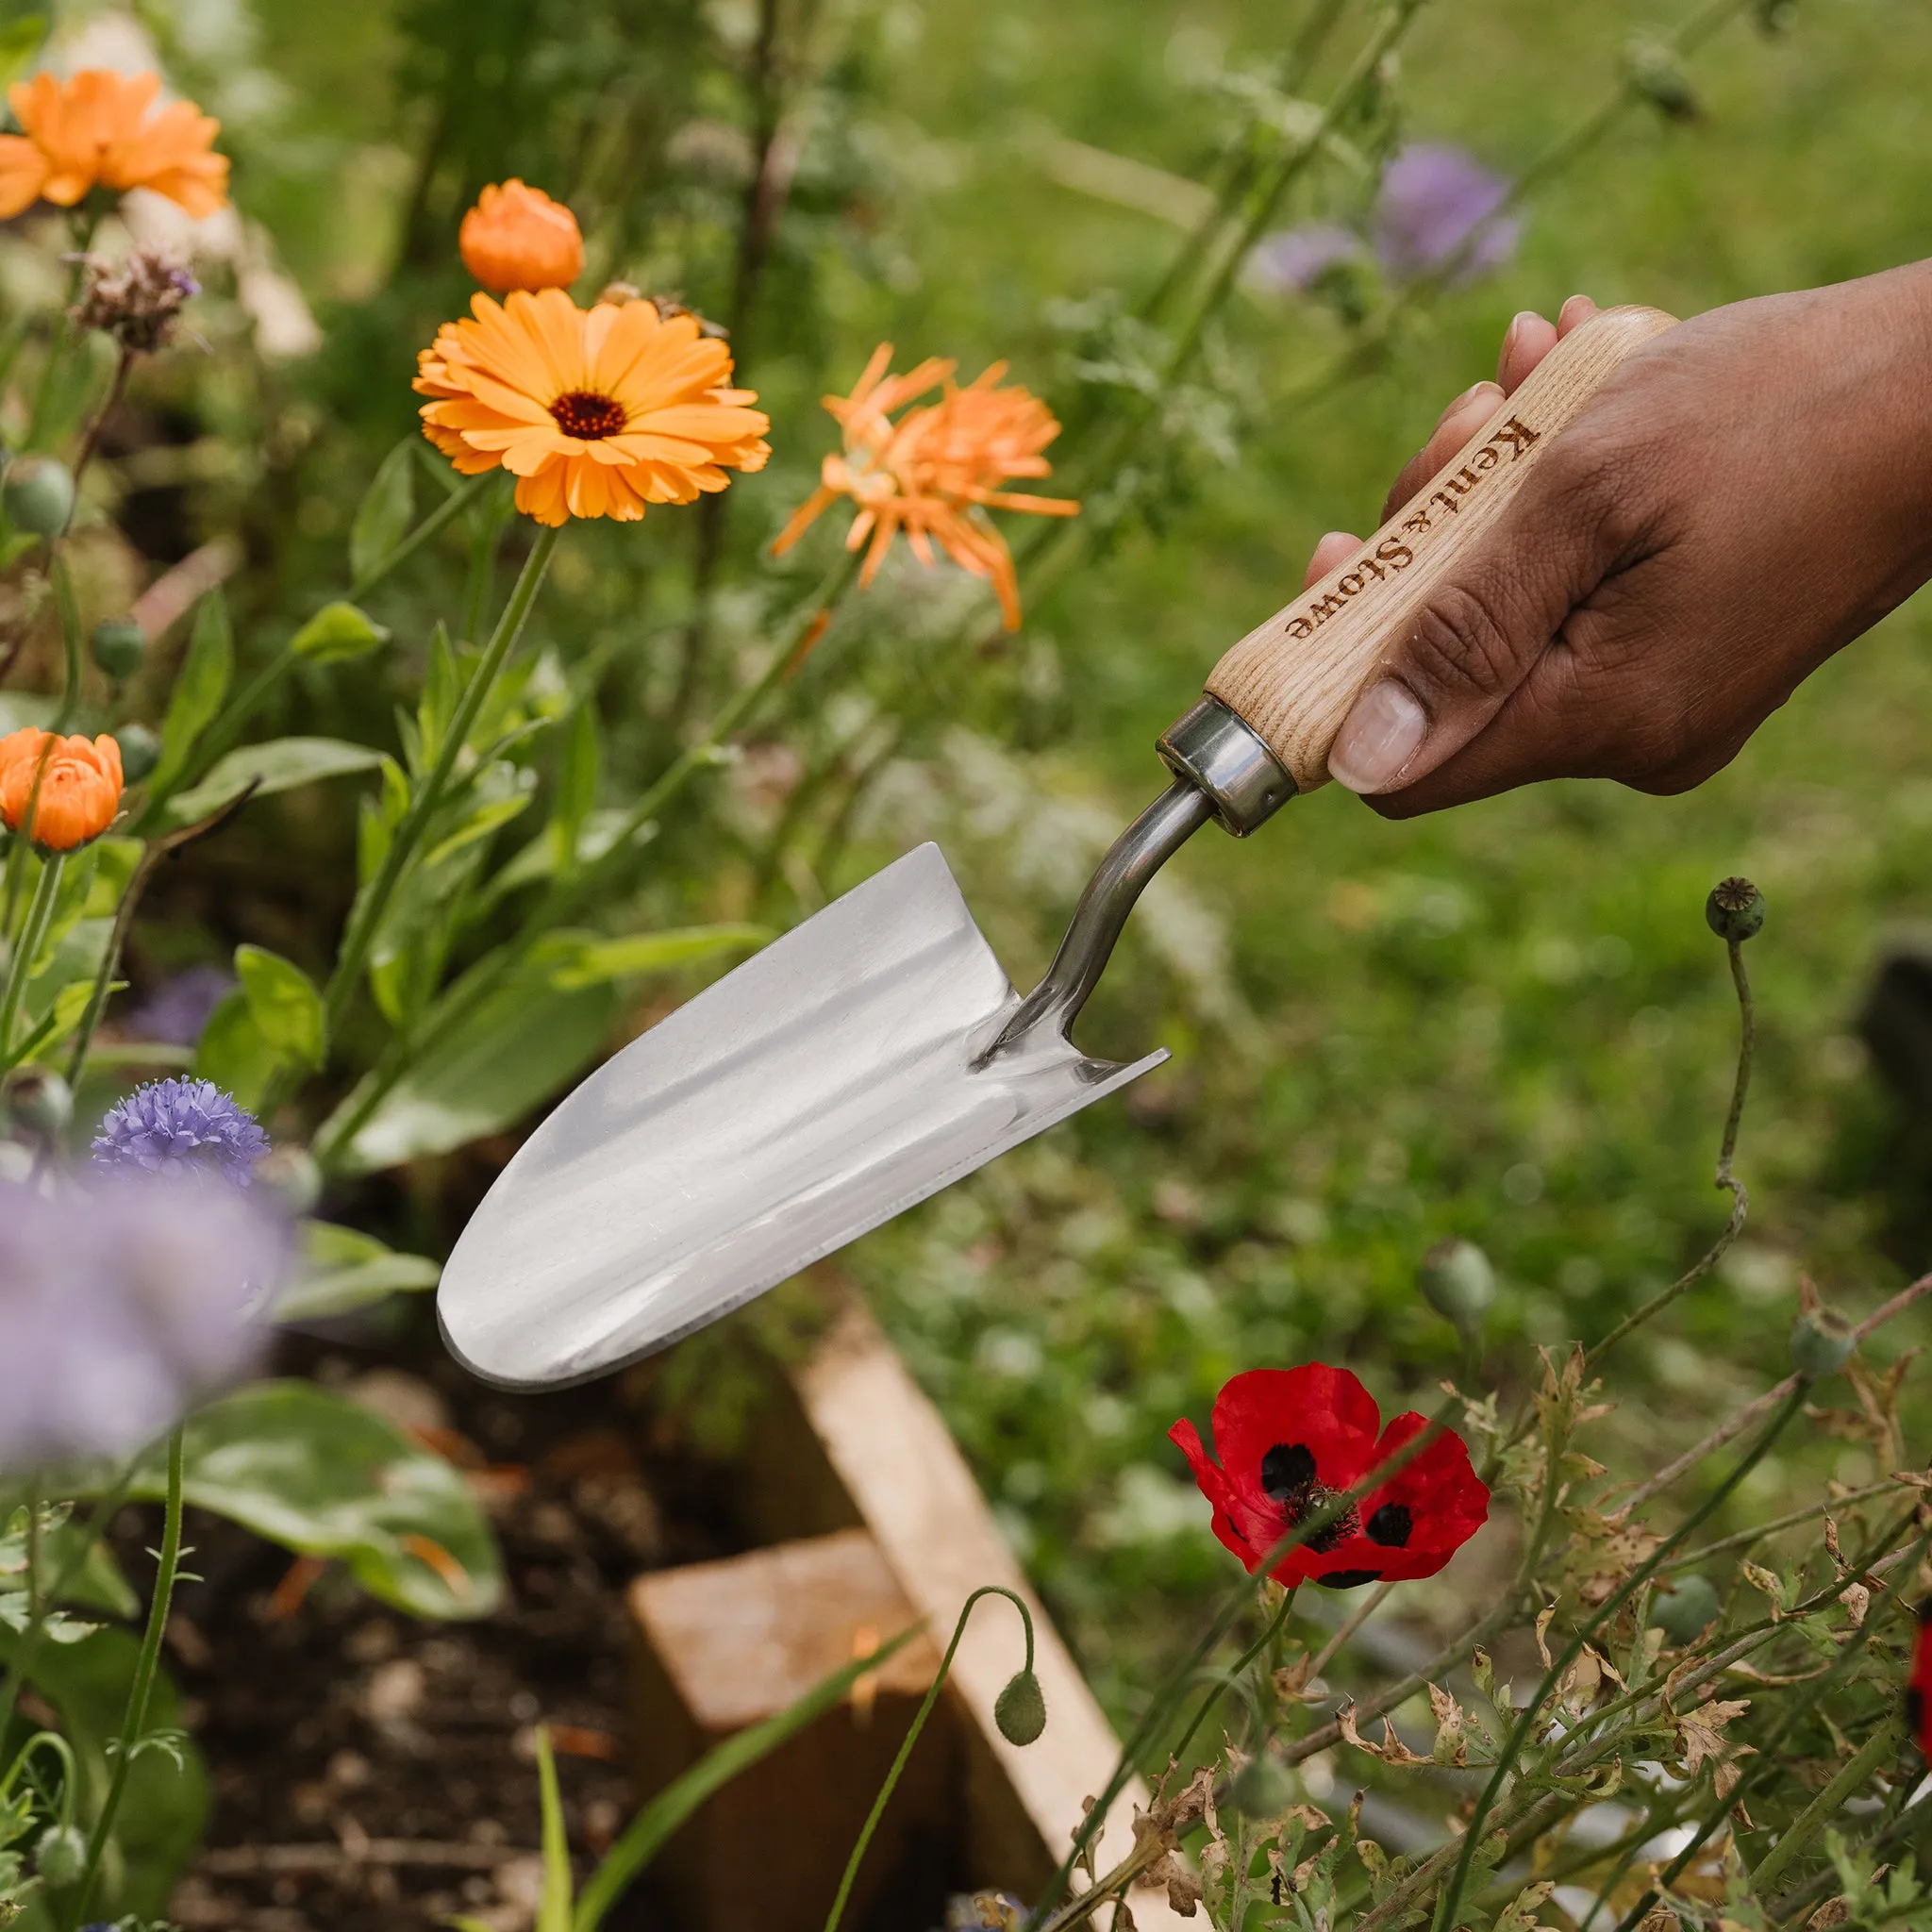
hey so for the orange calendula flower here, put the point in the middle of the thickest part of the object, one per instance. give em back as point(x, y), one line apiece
point(595, 411)
point(518, 238)
point(936, 471)
point(95, 129)
point(78, 781)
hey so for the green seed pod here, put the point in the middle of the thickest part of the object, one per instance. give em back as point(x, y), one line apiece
point(141, 752)
point(38, 1102)
point(61, 1856)
point(1457, 1282)
point(1263, 1788)
point(120, 647)
point(1734, 909)
point(289, 1176)
point(1686, 1610)
point(38, 495)
point(1821, 1341)
point(1019, 1710)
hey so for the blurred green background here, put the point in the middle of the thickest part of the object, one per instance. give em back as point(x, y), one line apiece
point(1509, 1023)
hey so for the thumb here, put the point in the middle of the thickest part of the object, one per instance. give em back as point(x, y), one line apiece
point(1492, 615)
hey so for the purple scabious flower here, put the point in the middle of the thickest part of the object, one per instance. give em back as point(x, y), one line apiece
point(1438, 202)
point(1292, 260)
point(174, 1127)
point(124, 1299)
point(178, 1009)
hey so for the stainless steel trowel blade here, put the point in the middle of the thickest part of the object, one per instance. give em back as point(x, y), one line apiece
point(816, 1091)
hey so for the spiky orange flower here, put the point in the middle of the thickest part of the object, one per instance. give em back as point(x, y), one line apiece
point(936, 471)
point(518, 238)
point(78, 783)
point(595, 411)
point(94, 128)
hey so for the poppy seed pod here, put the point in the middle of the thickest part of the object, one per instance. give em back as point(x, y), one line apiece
point(141, 752)
point(1821, 1341)
point(1686, 1610)
point(1457, 1282)
point(1019, 1710)
point(61, 1856)
point(1734, 910)
point(1263, 1788)
point(38, 1101)
point(38, 495)
point(120, 647)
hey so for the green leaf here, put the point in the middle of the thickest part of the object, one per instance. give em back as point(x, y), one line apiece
point(336, 633)
point(20, 41)
point(198, 691)
point(72, 962)
point(164, 1807)
point(61, 1018)
point(481, 823)
point(580, 959)
point(312, 1470)
point(382, 518)
point(520, 1047)
point(234, 1052)
point(576, 781)
point(554, 1910)
point(442, 686)
point(287, 1009)
point(278, 764)
point(641, 1841)
point(340, 1269)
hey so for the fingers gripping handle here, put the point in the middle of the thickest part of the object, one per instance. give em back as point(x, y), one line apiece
point(1293, 679)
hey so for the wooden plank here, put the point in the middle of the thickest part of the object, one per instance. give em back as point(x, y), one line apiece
point(897, 1462)
point(724, 1645)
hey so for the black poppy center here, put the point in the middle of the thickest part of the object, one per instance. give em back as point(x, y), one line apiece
point(1390, 1524)
point(1288, 1475)
point(582, 412)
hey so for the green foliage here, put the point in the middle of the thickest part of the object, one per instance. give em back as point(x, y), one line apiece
point(314, 1471)
point(198, 690)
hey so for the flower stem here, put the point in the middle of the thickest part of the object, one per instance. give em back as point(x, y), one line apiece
point(134, 1724)
point(371, 907)
point(1224, 1679)
point(26, 950)
point(899, 1762)
point(1451, 1897)
point(69, 609)
point(1882, 1746)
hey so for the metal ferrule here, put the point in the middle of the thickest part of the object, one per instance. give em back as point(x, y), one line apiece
point(1222, 772)
point(1212, 749)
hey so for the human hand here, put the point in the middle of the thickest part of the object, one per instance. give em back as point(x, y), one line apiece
point(1750, 492)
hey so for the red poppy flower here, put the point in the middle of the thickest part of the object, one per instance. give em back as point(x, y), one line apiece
point(1919, 1685)
point(1291, 1440)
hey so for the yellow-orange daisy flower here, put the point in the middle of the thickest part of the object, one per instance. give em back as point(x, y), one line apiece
point(518, 238)
point(595, 411)
point(59, 791)
point(936, 471)
point(94, 128)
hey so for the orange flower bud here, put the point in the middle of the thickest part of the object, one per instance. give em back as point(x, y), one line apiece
point(518, 238)
point(79, 786)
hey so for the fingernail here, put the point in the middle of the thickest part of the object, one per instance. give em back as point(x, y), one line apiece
point(1378, 738)
point(1516, 326)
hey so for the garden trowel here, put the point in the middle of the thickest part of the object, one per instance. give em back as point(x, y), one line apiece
point(878, 1052)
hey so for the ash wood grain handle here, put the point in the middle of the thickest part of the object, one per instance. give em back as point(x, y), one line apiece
point(1293, 679)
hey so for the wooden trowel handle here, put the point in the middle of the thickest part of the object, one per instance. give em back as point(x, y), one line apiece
point(1293, 679)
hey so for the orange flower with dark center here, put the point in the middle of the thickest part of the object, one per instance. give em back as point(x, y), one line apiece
point(937, 470)
point(596, 412)
point(58, 791)
point(517, 237)
point(94, 129)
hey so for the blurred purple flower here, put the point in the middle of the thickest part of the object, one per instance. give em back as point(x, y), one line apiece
point(1438, 201)
point(177, 1010)
point(177, 1128)
point(124, 1299)
point(1294, 259)
point(1437, 204)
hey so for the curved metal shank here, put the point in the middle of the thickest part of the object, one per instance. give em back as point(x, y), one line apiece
point(1136, 856)
point(1222, 771)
